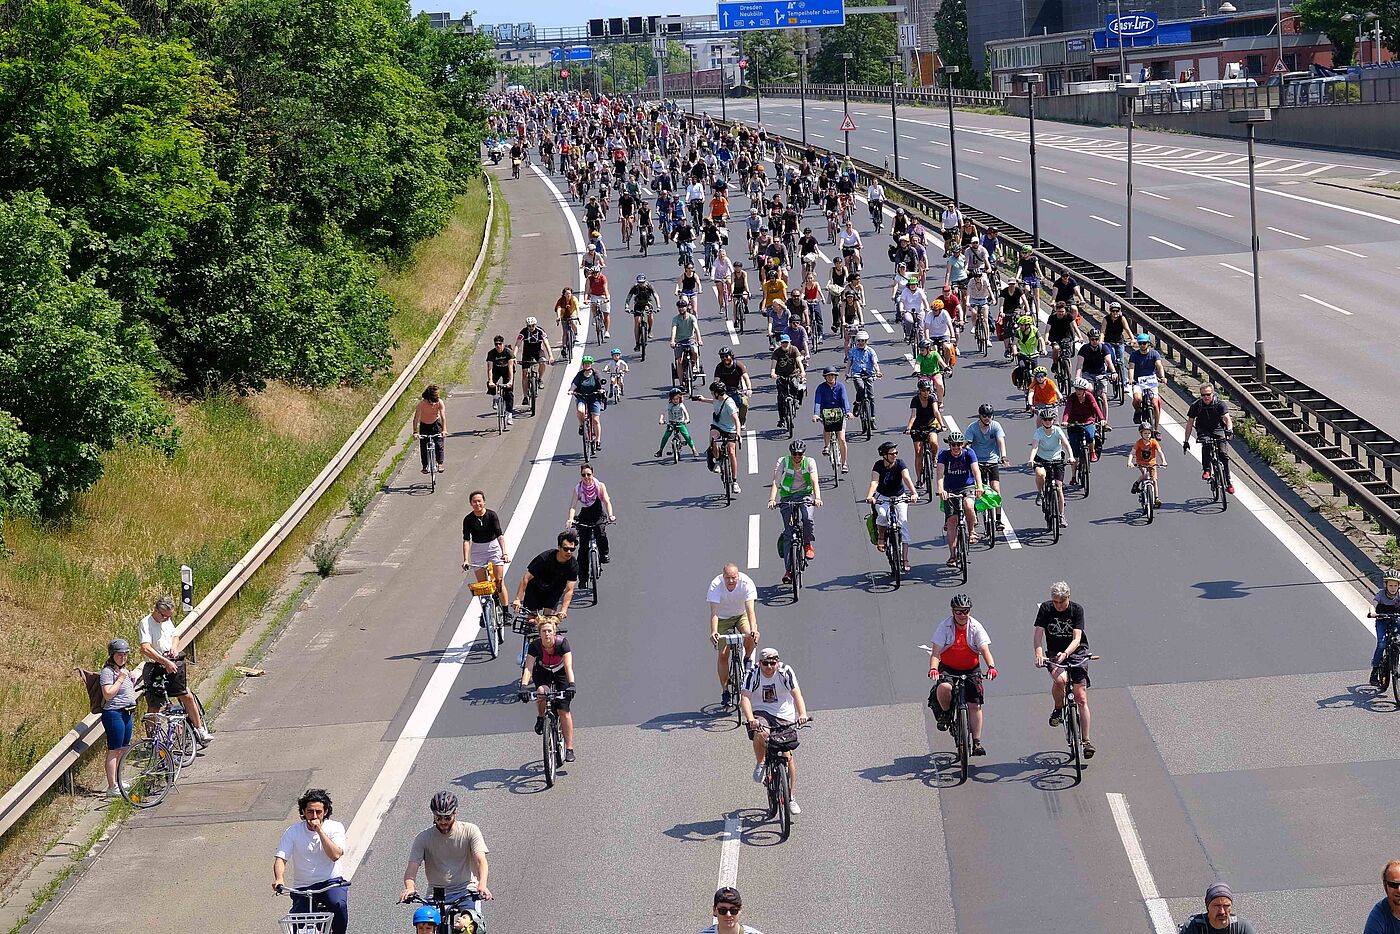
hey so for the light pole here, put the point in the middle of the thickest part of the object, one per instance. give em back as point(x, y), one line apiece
point(534, 72)
point(723, 89)
point(1127, 97)
point(1361, 20)
point(1030, 79)
point(802, 89)
point(846, 97)
point(894, 115)
point(1122, 59)
point(757, 92)
point(1278, 12)
point(1252, 117)
point(692, 79)
point(948, 72)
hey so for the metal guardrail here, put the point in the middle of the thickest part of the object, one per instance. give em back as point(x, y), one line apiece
point(75, 743)
point(1359, 459)
point(678, 87)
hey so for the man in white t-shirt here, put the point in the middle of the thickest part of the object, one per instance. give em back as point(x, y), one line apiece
point(164, 672)
point(911, 302)
point(728, 906)
point(313, 847)
point(731, 597)
point(937, 325)
point(772, 698)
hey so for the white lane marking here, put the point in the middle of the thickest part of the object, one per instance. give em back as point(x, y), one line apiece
point(878, 130)
point(1166, 243)
point(1055, 203)
point(909, 359)
point(1153, 194)
point(929, 165)
point(978, 151)
point(1132, 846)
point(1347, 252)
point(729, 853)
point(372, 811)
point(973, 177)
point(1101, 181)
point(869, 148)
point(1008, 159)
point(753, 541)
point(883, 323)
point(907, 136)
point(1104, 220)
point(753, 451)
point(1213, 211)
point(1009, 188)
point(1051, 168)
point(1288, 233)
point(1237, 269)
point(733, 335)
point(818, 136)
point(1378, 174)
point(1318, 301)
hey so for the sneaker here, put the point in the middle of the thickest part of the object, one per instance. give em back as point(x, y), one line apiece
point(607, 335)
point(1064, 523)
point(1089, 750)
point(738, 489)
point(1001, 526)
point(787, 578)
point(202, 738)
point(810, 551)
point(943, 718)
point(1038, 501)
point(1205, 475)
point(978, 749)
point(1093, 457)
point(1137, 487)
point(508, 424)
point(569, 754)
point(1230, 488)
point(845, 468)
point(792, 806)
point(758, 773)
point(1057, 716)
point(539, 726)
point(1137, 418)
point(725, 698)
point(1156, 504)
point(657, 454)
point(113, 792)
point(1376, 676)
point(580, 431)
point(605, 559)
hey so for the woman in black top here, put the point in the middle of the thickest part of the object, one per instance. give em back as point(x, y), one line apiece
point(484, 542)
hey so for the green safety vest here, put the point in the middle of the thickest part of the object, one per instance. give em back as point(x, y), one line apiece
point(808, 469)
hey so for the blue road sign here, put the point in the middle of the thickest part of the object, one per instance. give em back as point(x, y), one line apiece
point(574, 53)
point(781, 14)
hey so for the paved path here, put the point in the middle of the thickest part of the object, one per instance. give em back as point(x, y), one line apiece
point(1233, 740)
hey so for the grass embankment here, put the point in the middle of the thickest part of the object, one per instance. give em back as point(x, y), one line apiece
point(66, 589)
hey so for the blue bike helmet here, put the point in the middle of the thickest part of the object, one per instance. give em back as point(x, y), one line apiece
point(427, 914)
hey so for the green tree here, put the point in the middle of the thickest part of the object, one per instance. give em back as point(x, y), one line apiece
point(950, 26)
point(871, 38)
point(1325, 16)
point(1389, 11)
point(772, 51)
point(457, 68)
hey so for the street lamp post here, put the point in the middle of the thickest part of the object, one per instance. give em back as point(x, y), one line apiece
point(1122, 59)
point(948, 72)
point(692, 79)
point(846, 97)
point(1252, 117)
point(1361, 20)
point(894, 115)
point(1127, 96)
point(1278, 12)
point(1029, 79)
point(802, 89)
point(757, 92)
point(723, 91)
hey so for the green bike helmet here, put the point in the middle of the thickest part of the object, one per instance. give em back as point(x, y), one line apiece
point(586, 359)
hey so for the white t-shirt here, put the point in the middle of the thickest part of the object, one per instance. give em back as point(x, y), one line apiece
point(944, 633)
point(301, 848)
point(743, 928)
point(911, 300)
point(773, 694)
point(730, 603)
point(850, 239)
point(938, 324)
point(951, 220)
point(161, 636)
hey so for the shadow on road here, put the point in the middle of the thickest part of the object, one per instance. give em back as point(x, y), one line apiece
point(1362, 696)
point(711, 719)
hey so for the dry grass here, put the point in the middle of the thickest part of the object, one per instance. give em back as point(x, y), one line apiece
point(67, 589)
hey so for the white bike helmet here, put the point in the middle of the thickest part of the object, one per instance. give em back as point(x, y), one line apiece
point(531, 321)
point(862, 335)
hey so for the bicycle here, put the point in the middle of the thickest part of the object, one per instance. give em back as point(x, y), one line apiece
point(989, 525)
point(795, 561)
point(741, 308)
point(553, 736)
point(963, 536)
point(616, 391)
point(430, 445)
point(734, 641)
point(1050, 499)
point(780, 741)
point(1061, 365)
point(151, 766)
point(924, 464)
point(570, 337)
point(1214, 462)
point(593, 556)
point(498, 402)
point(787, 410)
point(957, 711)
point(864, 406)
point(627, 225)
point(591, 444)
point(833, 455)
point(1078, 436)
point(492, 613)
point(532, 383)
point(719, 449)
point(894, 538)
point(597, 304)
point(1390, 655)
point(515, 168)
point(309, 922)
point(979, 331)
point(1147, 495)
point(1074, 737)
point(452, 911)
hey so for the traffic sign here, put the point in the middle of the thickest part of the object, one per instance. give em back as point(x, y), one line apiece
point(572, 53)
point(1278, 67)
point(563, 72)
point(848, 124)
point(908, 35)
point(743, 15)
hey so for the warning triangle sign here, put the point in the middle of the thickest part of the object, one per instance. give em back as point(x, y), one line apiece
point(848, 124)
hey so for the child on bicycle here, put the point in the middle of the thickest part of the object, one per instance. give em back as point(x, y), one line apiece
point(675, 418)
point(616, 368)
point(1146, 455)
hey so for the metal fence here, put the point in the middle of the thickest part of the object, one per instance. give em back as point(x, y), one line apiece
point(1312, 92)
point(677, 87)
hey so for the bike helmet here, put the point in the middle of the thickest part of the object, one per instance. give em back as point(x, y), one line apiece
point(985, 409)
point(1081, 383)
point(427, 914)
point(682, 303)
point(960, 602)
point(1114, 306)
point(675, 391)
point(937, 304)
point(785, 339)
point(829, 371)
point(862, 335)
point(925, 344)
point(911, 280)
point(1095, 334)
point(1040, 371)
point(443, 804)
point(889, 447)
point(726, 352)
point(641, 278)
point(1025, 320)
point(1047, 412)
point(956, 437)
point(717, 388)
point(531, 321)
point(925, 385)
point(118, 645)
point(1392, 574)
point(1144, 338)
point(797, 447)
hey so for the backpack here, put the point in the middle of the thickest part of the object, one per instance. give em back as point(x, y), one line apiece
point(93, 682)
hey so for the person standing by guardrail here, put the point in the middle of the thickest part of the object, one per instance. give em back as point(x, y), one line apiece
point(313, 847)
point(118, 705)
point(164, 672)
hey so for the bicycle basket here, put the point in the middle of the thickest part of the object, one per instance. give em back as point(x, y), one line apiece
point(522, 624)
point(784, 739)
point(483, 588)
point(316, 922)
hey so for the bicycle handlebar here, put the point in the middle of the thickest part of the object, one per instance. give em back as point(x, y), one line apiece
point(324, 887)
point(415, 899)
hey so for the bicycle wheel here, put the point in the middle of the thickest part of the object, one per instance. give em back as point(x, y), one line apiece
point(1149, 500)
point(182, 740)
point(549, 764)
point(797, 574)
point(488, 625)
point(736, 681)
point(595, 570)
point(894, 550)
point(784, 795)
point(1084, 473)
point(770, 785)
point(533, 382)
point(834, 455)
point(558, 734)
point(725, 477)
point(141, 774)
point(1395, 675)
point(500, 415)
point(989, 527)
point(962, 545)
point(867, 424)
point(1076, 748)
point(646, 338)
point(963, 741)
point(1223, 474)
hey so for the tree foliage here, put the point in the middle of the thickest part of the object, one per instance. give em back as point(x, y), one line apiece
point(871, 38)
point(1325, 16)
point(772, 51)
point(950, 25)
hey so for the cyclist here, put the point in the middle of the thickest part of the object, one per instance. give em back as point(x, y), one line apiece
point(626, 212)
point(795, 480)
point(788, 370)
point(688, 287)
point(938, 329)
point(642, 300)
point(484, 543)
point(431, 417)
point(722, 275)
point(740, 288)
point(685, 339)
point(952, 221)
point(551, 665)
point(1050, 452)
point(988, 441)
point(1209, 418)
point(1062, 329)
point(850, 244)
point(676, 418)
point(772, 699)
point(888, 478)
point(959, 646)
point(925, 419)
point(1096, 365)
point(532, 344)
point(1146, 455)
point(1025, 339)
point(774, 287)
point(1042, 391)
point(590, 390)
point(1148, 373)
point(735, 377)
point(1014, 307)
point(979, 299)
point(452, 854)
point(863, 364)
point(1067, 292)
point(500, 375)
point(832, 406)
point(911, 303)
point(1059, 638)
point(566, 316)
point(1115, 334)
point(1029, 269)
point(875, 195)
point(959, 475)
point(724, 426)
point(731, 596)
point(313, 847)
point(727, 906)
point(1387, 614)
point(1082, 408)
point(590, 505)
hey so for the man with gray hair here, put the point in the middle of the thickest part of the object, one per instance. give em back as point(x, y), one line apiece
point(164, 672)
point(1062, 649)
point(1219, 914)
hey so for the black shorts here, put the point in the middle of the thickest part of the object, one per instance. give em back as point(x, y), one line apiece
point(991, 473)
point(162, 685)
point(974, 682)
point(543, 677)
point(529, 359)
point(773, 722)
point(1054, 469)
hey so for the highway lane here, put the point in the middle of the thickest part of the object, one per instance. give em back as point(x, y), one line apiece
point(1328, 260)
point(1225, 673)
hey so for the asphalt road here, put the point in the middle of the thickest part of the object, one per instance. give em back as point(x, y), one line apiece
point(1328, 256)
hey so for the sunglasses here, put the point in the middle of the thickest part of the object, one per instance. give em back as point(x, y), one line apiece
point(726, 910)
point(569, 548)
point(961, 612)
point(770, 661)
point(891, 454)
point(1391, 885)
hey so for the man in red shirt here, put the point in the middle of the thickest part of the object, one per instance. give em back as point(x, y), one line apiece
point(960, 645)
point(599, 299)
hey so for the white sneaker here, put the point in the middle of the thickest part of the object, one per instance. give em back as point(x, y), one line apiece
point(202, 737)
point(737, 489)
point(758, 773)
point(792, 806)
point(113, 792)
